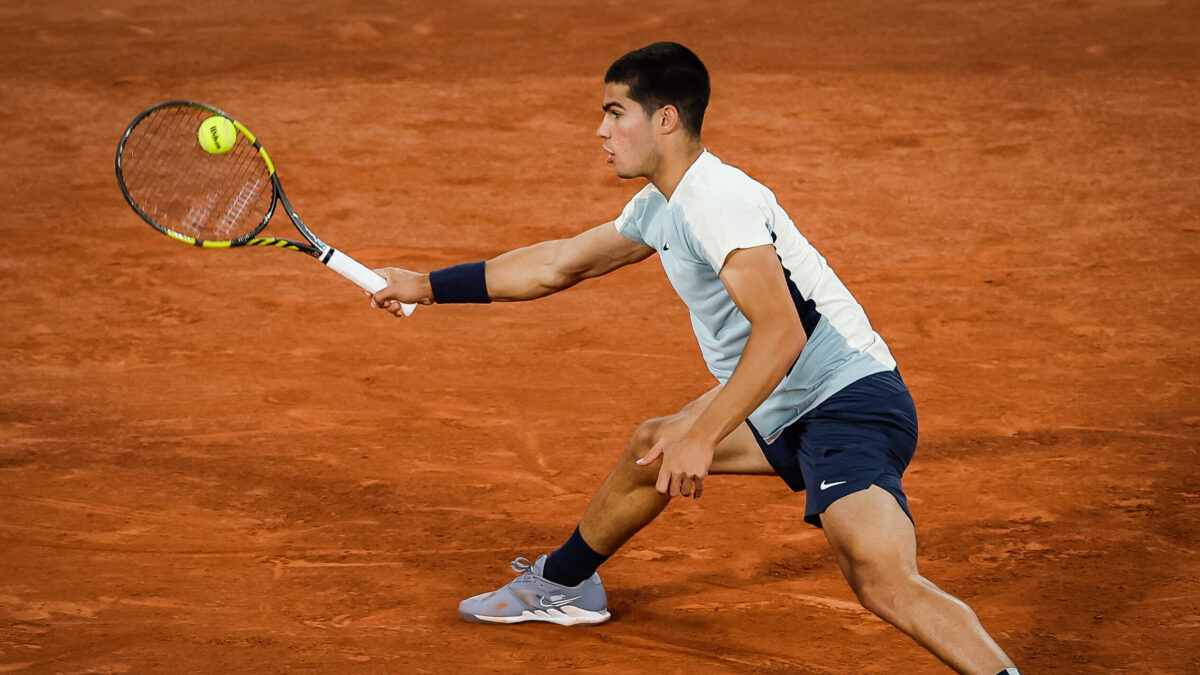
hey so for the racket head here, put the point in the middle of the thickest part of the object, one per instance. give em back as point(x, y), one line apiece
point(184, 191)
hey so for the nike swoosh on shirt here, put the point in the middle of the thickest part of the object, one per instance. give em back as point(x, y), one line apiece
point(826, 486)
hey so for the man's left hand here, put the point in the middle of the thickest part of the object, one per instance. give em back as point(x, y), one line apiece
point(684, 467)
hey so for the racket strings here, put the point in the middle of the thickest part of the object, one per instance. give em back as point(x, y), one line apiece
point(183, 188)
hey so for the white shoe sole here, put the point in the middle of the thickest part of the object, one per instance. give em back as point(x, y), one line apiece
point(565, 616)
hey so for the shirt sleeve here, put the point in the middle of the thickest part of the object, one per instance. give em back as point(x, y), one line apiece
point(629, 223)
point(722, 228)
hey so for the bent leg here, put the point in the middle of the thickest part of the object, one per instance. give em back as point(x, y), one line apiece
point(876, 547)
point(626, 501)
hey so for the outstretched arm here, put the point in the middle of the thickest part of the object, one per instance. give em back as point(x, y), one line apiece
point(530, 272)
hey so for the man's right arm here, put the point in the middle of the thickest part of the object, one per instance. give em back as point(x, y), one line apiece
point(530, 272)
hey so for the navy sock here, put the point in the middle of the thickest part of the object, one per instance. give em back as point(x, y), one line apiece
point(573, 562)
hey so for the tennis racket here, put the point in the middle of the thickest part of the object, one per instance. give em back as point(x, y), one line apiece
point(214, 199)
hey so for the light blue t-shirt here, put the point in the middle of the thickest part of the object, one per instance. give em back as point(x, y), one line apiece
point(715, 210)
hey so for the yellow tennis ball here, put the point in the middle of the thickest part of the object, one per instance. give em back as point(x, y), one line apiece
point(217, 135)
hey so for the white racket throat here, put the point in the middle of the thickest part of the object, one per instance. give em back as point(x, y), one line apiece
point(365, 277)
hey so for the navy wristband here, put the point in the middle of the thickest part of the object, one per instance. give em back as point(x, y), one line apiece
point(461, 283)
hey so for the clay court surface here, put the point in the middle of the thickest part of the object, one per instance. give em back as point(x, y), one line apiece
point(224, 461)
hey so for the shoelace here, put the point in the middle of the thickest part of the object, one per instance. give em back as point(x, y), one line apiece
point(521, 565)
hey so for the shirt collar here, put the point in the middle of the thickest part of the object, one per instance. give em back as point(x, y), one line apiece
point(705, 157)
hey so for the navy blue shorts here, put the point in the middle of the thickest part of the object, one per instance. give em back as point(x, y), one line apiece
point(863, 435)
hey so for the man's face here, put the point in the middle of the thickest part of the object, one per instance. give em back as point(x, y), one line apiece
point(628, 134)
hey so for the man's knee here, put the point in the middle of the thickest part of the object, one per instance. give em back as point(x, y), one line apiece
point(639, 446)
point(884, 593)
point(644, 438)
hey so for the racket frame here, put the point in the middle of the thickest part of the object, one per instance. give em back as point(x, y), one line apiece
point(326, 254)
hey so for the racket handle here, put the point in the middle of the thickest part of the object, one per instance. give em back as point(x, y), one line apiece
point(365, 277)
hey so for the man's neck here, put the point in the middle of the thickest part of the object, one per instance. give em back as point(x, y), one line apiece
point(673, 167)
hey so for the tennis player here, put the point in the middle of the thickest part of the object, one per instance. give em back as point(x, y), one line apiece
point(807, 391)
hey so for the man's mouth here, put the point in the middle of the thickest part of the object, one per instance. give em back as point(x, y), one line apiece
point(609, 158)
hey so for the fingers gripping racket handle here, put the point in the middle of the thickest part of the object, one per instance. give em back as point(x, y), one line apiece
point(362, 275)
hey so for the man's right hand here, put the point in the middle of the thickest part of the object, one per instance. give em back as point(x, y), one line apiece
point(403, 286)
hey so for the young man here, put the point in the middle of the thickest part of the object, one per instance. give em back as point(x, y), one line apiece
point(808, 391)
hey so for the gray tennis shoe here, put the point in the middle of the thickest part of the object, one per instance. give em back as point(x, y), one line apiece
point(531, 597)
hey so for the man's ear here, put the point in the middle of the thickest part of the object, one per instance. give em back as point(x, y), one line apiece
point(668, 119)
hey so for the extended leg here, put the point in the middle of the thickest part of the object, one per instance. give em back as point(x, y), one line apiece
point(563, 587)
point(876, 548)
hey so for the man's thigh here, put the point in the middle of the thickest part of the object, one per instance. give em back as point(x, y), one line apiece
point(870, 533)
point(739, 453)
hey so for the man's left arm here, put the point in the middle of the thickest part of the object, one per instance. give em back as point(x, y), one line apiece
point(755, 281)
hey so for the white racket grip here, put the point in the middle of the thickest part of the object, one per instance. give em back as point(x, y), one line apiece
point(365, 277)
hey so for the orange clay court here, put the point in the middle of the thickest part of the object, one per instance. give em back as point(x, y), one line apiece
point(225, 461)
